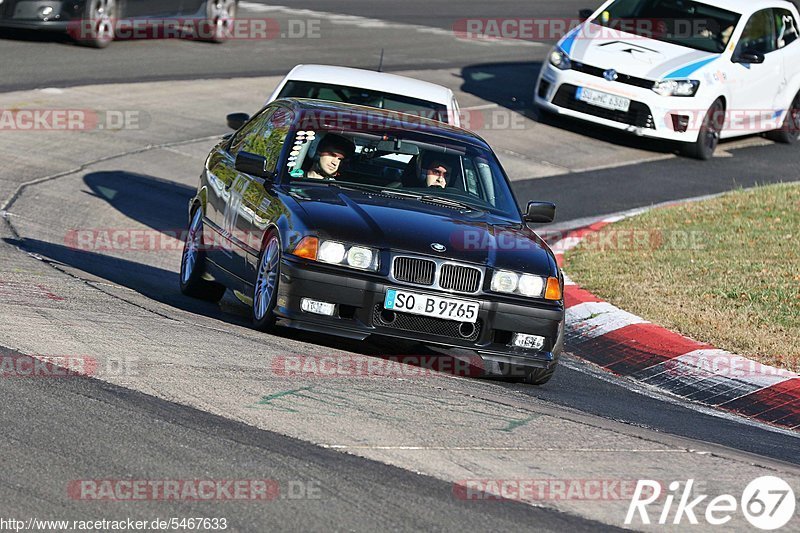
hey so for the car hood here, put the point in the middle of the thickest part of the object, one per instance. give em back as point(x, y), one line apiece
point(413, 226)
point(633, 55)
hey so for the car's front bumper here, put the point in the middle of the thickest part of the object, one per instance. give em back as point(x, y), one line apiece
point(651, 115)
point(26, 14)
point(359, 301)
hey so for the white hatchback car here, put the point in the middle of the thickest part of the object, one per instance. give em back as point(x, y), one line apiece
point(374, 89)
point(681, 70)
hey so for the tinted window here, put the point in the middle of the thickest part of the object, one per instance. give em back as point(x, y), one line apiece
point(354, 95)
point(250, 129)
point(265, 135)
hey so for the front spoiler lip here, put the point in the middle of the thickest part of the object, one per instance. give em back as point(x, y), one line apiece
point(541, 359)
point(50, 25)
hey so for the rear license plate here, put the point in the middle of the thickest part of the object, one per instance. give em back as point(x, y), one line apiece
point(432, 306)
point(604, 100)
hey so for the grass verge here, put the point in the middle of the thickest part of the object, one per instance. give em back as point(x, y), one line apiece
point(725, 271)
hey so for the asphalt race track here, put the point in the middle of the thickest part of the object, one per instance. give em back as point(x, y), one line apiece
point(184, 390)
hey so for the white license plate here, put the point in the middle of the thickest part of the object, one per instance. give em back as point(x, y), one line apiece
point(604, 100)
point(433, 306)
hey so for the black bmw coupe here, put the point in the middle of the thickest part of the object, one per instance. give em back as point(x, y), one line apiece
point(356, 221)
point(96, 23)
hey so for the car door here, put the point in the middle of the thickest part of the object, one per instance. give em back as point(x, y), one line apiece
point(226, 190)
point(755, 87)
point(260, 204)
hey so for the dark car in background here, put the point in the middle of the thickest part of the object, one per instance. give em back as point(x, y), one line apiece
point(95, 22)
point(321, 216)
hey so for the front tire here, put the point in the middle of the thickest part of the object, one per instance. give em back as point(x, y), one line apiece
point(709, 135)
point(789, 133)
point(193, 265)
point(265, 291)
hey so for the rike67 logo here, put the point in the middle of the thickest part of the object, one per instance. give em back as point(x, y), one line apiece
point(768, 503)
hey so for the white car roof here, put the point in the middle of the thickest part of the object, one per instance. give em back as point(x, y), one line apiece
point(376, 81)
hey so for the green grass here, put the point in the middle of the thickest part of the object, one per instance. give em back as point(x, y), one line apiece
point(724, 271)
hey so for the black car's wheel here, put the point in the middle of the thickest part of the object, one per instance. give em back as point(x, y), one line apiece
point(220, 16)
point(709, 135)
point(540, 376)
point(789, 133)
point(266, 286)
point(97, 26)
point(193, 265)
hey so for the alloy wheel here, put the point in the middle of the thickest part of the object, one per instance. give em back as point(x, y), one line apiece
point(191, 249)
point(267, 279)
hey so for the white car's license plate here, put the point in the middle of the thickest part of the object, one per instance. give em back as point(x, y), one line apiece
point(434, 306)
point(604, 100)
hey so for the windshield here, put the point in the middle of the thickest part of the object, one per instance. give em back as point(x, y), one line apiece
point(367, 97)
point(683, 22)
point(408, 164)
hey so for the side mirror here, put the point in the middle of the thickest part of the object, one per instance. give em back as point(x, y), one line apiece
point(541, 212)
point(255, 165)
point(237, 120)
point(749, 58)
point(585, 13)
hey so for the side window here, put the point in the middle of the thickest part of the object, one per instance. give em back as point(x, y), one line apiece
point(265, 136)
point(251, 129)
point(759, 34)
point(786, 26)
point(270, 143)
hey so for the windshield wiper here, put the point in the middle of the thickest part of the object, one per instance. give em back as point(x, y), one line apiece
point(448, 202)
point(352, 186)
point(401, 194)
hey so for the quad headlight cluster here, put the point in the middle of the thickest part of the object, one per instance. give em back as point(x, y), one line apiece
point(338, 253)
point(508, 282)
point(676, 87)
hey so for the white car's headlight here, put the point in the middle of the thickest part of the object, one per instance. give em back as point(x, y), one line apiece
point(338, 253)
point(676, 87)
point(526, 285)
point(560, 59)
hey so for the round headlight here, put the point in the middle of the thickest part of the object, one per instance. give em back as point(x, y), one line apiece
point(331, 252)
point(532, 286)
point(359, 257)
point(504, 281)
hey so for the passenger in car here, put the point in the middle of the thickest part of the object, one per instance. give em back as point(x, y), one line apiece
point(437, 174)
